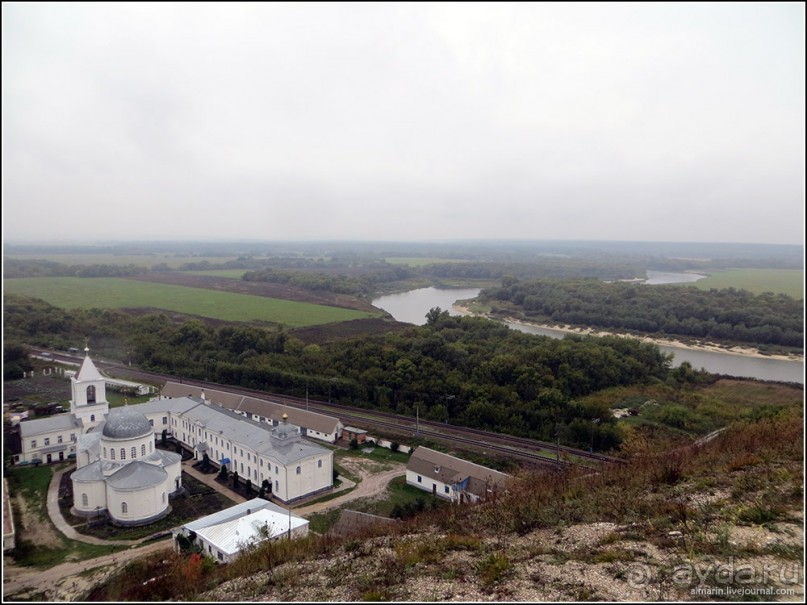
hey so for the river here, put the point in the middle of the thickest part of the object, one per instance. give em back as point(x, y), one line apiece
point(412, 306)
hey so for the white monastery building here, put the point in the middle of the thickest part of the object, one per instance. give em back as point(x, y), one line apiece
point(293, 466)
point(312, 424)
point(121, 473)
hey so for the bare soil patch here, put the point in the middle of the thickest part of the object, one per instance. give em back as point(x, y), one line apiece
point(348, 329)
point(34, 528)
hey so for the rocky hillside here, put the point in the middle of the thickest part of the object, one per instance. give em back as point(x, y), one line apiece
point(721, 520)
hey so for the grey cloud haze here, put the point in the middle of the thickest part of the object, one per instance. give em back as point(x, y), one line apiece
point(670, 122)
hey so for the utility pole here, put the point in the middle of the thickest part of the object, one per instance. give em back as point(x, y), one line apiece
point(591, 446)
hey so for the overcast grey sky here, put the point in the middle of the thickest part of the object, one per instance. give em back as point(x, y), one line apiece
point(669, 122)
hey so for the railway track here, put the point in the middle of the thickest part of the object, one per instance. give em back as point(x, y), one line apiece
point(527, 450)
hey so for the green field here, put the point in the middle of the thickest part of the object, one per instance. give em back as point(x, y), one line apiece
point(115, 293)
point(784, 281)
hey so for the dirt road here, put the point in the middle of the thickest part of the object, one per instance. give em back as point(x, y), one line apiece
point(371, 484)
point(69, 581)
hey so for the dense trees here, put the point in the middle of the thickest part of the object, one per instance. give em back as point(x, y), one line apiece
point(726, 315)
point(465, 370)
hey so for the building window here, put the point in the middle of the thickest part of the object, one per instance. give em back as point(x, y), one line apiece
point(85, 501)
point(151, 421)
point(319, 463)
point(47, 440)
point(33, 442)
point(277, 486)
point(277, 470)
point(242, 467)
point(124, 508)
point(143, 450)
point(420, 479)
point(255, 474)
point(59, 439)
point(134, 453)
point(242, 452)
point(165, 420)
point(91, 395)
point(92, 417)
point(123, 453)
point(73, 437)
point(299, 470)
point(112, 453)
point(261, 463)
point(163, 497)
point(151, 446)
point(445, 489)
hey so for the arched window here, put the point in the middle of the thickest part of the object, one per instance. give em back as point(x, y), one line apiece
point(134, 452)
point(104, 452)
point(123, 453)
point(143, 450)
point(124, 508)
point(92, 417)
point(298, 470)
point(85, 501)
point(112, 453)
point(90, 394)
point(319, 463)
point(277, 485)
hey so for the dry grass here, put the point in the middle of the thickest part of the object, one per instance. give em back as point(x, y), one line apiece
point(676, 506)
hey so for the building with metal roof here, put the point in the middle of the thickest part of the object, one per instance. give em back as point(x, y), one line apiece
point(292, 466)
point(312, 424)
point(453, 478)
point(223, 535)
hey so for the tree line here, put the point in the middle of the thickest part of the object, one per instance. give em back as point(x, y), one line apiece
point(725, 315)
point(463, 370)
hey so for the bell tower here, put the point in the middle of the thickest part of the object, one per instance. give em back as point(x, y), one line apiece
point(88, 387)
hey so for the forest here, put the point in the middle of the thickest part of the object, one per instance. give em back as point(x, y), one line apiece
point(469, 371)
point(725, 315)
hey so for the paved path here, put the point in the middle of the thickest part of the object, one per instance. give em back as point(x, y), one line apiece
point(210, 480)
point(55, 514)
point(69, 581)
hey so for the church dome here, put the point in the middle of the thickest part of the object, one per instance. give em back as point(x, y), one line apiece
point(126, 423)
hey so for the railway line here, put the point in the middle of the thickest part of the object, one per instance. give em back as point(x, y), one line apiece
point(527, 450)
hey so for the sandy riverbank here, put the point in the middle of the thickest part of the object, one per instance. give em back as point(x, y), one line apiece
point(706, 346)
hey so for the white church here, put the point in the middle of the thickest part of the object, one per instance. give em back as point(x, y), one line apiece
point(118, 472)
